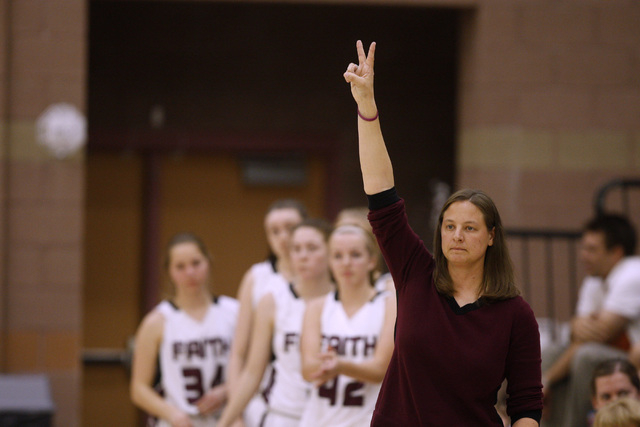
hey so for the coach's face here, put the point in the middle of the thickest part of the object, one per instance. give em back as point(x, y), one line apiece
point(465, 237)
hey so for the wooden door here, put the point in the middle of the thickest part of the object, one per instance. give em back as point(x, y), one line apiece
point(113, 226)
point(206, 195)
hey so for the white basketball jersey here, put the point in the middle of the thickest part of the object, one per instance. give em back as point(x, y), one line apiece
point(345, 401)
point(194, 354)
point(290, 391)
point(265, 277)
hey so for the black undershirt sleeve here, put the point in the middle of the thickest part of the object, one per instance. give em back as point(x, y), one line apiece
point(535, 415)
point(382, 199)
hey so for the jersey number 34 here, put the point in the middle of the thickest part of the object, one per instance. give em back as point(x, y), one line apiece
point(194, 387)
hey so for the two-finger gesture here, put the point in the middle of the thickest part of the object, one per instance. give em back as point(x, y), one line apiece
point(360, 77)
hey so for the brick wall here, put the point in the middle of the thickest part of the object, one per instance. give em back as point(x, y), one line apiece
point(549, 105)
point(43, 61)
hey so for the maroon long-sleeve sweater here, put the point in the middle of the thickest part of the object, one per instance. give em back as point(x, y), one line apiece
point(449, 361)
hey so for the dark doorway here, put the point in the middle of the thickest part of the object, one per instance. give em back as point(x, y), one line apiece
point(260, 68)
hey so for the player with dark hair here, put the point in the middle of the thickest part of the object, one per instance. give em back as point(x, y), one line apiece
point(281, 218)
point(276, 330)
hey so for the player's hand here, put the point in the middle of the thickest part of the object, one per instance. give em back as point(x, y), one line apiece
point(329, 368)
point(212, 400)
point(180, 419)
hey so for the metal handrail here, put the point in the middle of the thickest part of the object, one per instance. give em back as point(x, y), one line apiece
point(107, 356)
point(547, 238)
point(625, 184)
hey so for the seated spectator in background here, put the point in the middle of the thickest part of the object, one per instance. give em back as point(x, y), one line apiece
point(607, 319)
point(612, 380)
point(624, 412)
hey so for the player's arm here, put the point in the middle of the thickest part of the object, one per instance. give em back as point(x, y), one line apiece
point(390, 286)
point(242, 335)
point(257, 361)
point(311, 339)
point(145, 356)
point(212, 400)
point(373, 370)
point(216, 396)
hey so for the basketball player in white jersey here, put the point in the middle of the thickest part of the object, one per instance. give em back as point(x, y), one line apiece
point(358, 216)
point(190, 336)
point(347, 338)
point(281, 217)
point(277, 325)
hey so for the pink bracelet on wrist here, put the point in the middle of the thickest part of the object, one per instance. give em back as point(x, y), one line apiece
point(366, 119)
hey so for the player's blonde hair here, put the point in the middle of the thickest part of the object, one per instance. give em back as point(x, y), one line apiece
point(623, 412)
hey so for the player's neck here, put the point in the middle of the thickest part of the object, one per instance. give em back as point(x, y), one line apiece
point(197, 300)
point(354, 297)
point(283, 266)
point(312, 288)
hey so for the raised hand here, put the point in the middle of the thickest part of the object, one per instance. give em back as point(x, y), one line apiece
point(360, 77)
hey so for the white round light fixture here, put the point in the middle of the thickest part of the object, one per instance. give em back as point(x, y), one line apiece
point(62, 129)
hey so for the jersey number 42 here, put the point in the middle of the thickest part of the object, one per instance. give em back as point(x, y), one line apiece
point(329, 390)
